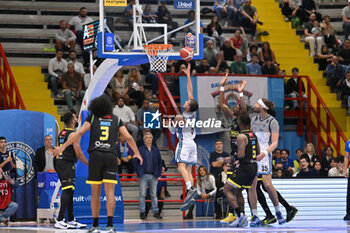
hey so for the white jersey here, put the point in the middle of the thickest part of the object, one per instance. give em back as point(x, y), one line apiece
point(263, 129)
point(187, 131)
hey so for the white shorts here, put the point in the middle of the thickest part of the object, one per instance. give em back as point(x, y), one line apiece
point(265, 165)
point(186, 152)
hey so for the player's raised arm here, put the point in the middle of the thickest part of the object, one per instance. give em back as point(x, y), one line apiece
point(187, 71)
point(240, 88)
point(77, 135)
point(223, 106)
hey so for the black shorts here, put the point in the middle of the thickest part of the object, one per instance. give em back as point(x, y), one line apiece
point(243, 175)
point(66, 173)
point(103, 167)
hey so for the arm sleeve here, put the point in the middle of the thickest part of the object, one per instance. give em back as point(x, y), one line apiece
point(212, 184)
point(347, 146)
point(72, 36)
point(51, 69)
point(274, 126)
point(58, 37)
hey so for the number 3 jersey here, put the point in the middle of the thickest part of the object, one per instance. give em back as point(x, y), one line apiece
point(104, 133)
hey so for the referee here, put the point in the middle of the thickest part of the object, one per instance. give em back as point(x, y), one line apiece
point(103, 165)
point(65, 168)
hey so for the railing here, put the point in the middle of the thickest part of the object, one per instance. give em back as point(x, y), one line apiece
point(10, 98)
point(167, 106)
point(319, 127)
point(160, 179)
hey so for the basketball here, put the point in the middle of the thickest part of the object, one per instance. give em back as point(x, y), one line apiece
point(186, 53)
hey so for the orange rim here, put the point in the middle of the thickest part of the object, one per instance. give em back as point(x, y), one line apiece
point(153, 49)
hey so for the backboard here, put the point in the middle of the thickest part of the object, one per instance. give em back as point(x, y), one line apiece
point(132, 32)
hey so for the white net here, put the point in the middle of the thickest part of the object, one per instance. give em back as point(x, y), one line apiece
point(158, 56)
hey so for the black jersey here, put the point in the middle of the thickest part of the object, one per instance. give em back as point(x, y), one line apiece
point(69, 153)
point(234, 132)
point(104, 133)
point(250, 148)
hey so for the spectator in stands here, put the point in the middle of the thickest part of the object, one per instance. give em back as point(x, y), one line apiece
point(7, 159)
point(161, 192)
point(328, 33)
point(223, 6)
point(291, 9)
point(216, 159)
point(152, 78)
point(305, 170)
point(288, 163)
point(127, 116)
point(72, 84)
point(344, 53)
point(236, 14)
point(214, 30)
point(326, 158)
point(192, 28)
point(128, 12)
point(210, 52)
point(324, 57)
point(345, 91)
point(119, 87)
point(148, 15)
point(164, 16)
point(309, 7)
point(346, 20)
point(253, 49)
point(206, 188)
point(125, 155)
point(316, 30)
point(203, 67)
point(148, 174)
point(78, 67)
point(96, 60)
point(335, 73)
point(253, 67)
point(266, 53)
point(299, 152)
point(278, 174)
point(7, 206)
point(310, 154)
point(239, 41)
point(332, 163)
point(220, 65)
point(292, 88)
point(268, 67)
point(238, 66)
point(249, 17)
point(311, 38)
point(43, 160)
point(57, 67)
point(337, 171)
point(141, 142)
point(320, 170)
point(65, 38)
point(228, 51)
point(78, 22)
point(277, 154)
point(135, 87)
point(285, 172)
point(220, 209)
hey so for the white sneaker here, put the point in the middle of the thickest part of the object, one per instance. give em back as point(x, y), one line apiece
point(61, 225)
point(75, 225)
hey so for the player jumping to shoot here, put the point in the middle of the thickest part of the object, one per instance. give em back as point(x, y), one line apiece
point(186, 149)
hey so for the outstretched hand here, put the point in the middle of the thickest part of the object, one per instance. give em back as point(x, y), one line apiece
point(242, 85)
point(57, 151)
point(224, 80)
point(139, 157)
point(187, 71)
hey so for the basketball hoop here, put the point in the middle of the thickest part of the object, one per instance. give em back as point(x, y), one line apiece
point(158, 56)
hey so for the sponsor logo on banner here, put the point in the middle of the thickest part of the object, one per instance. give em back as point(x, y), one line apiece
point(184, 4)
point(115, 3)
point(109, 41)
point(23, 159)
